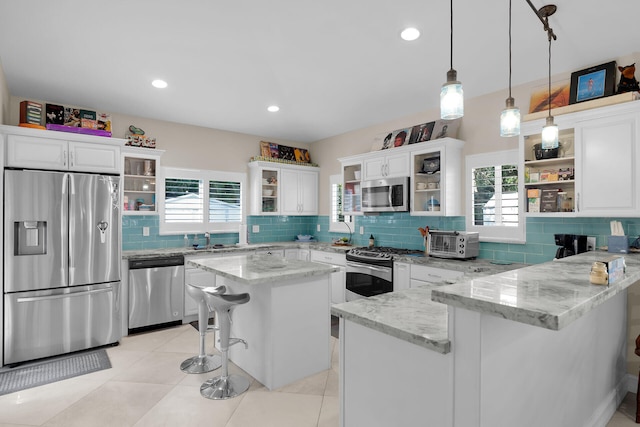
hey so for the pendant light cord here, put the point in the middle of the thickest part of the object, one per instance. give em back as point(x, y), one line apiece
point(549, 99)
point(509, 48)
point(451, 44)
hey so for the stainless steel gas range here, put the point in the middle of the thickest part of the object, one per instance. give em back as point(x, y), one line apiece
point(370, 270)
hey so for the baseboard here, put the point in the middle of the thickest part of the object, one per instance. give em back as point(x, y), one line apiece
point(609, 405)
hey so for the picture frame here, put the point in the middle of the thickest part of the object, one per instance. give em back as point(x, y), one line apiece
point(560, 94)
point(421, 133)
point(593, 83)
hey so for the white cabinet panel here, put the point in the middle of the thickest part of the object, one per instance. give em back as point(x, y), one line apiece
point(386, 166)
point(338, 278)
point(94, 157)
point(401, 272)
point(607, 166)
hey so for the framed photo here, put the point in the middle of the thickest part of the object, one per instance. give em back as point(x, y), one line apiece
point(592, 83)
point(560, 91)
point(445, 129)
point(421, 133)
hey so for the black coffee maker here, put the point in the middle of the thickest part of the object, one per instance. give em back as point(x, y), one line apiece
point(570, 244)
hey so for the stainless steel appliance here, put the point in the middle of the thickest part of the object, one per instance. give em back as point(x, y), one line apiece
point(570, 244)
point(370, 271)
point(386, 195)
point(61, 263)
point(156, 292)
point(454, 244)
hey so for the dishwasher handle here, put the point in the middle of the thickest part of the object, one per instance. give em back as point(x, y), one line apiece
point(171, 261)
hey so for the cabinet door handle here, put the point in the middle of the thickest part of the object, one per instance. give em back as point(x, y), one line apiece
point(71, 158)
point(64, 158)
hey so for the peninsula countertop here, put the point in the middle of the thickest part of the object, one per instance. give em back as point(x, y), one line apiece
point(262, 269)
point(549, 295)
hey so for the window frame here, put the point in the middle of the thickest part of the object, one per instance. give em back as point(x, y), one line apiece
point(499, 233)
point(337, 226)
point(205, 176)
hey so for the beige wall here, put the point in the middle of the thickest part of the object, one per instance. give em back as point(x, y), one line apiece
point(185, 146)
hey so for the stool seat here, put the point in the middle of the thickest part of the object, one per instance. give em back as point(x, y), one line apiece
point(225, 386)
point(202, 362)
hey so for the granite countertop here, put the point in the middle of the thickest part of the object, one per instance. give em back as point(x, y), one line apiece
point(232, 249)
point(549, 295)
point(262, 269)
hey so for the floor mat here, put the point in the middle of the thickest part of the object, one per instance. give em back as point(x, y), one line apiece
point(49, 371)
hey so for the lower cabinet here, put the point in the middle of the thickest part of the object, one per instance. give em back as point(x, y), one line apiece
point(198, 277)
point(338, 278)
point(428, 276)
point(401, 278)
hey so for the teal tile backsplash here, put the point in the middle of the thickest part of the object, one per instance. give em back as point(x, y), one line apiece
point(392, 229)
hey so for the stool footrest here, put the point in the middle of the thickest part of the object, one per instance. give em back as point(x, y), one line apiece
point(234, 341)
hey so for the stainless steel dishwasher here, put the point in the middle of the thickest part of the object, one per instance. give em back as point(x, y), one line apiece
point(156, 293)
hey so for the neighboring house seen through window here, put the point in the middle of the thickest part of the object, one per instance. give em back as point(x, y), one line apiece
point(198, 201)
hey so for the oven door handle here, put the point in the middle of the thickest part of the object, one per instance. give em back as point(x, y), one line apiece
point(368, 267)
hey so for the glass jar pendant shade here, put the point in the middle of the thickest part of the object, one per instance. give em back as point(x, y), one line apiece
point(550, 135)
point(510, 120)
point(451, 98)
point(451, 95)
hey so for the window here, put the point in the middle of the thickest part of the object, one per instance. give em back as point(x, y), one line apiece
point(197, 201)
point(338, 220)
point(493, 207)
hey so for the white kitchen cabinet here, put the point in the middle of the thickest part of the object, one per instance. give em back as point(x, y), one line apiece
point(299, 192)
point(607, 156)
point(436, 178)
point(338, 278)
point(140, 166)
point(59, 151)
point(197, 277)
point(386, 165)
point(275, 252)
point(281, 189)
point(401, 276)
point(352, 188)
point(599, 149)
point(422, 275)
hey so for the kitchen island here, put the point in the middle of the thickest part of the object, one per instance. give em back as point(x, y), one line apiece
point(286, 323)
point(534, 346)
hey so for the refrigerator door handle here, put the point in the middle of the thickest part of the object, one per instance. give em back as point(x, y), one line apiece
point(65, 295)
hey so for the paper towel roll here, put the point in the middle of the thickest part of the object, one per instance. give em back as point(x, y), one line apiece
point(242, 234)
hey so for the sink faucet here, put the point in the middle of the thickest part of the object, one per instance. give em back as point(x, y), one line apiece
point(207, 240)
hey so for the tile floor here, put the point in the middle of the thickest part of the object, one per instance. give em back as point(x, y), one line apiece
point(144, 387)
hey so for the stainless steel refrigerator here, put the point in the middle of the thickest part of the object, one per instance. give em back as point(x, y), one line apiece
point(61, 263)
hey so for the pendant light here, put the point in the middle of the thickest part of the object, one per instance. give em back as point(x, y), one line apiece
point(550, 130)
point(510, 116)
point(451, 96)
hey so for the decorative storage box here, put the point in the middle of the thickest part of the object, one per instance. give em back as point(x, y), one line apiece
point(565, 174)
point(615, 267)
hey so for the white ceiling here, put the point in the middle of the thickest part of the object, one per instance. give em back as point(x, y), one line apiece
point(332, 66)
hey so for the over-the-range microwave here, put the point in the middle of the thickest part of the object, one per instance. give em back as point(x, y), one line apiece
point(386, 195)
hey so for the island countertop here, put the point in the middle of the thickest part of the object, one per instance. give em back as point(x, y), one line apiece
point(262, 269)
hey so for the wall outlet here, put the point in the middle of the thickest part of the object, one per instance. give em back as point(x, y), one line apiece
point(361, 230)
point(255, 228)
point(591, 243)
point(318, 228)
point(145, 231)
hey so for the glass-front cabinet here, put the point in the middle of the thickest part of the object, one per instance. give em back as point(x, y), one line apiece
point(351, 188)
point(139, 180)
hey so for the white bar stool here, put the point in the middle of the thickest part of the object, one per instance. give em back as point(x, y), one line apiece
point(202, 362)
point(225, 386)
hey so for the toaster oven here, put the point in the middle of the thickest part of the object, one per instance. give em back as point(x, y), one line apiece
point(454, 244)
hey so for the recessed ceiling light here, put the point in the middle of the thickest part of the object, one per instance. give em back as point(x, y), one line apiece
point(273, 108)
point(160, 84)
point(410, 34)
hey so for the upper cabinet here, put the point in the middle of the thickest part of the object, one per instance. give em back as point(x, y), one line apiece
point(52, 150)
point(282, 189)
point(386, 165)
point(594, 170)
point(436, 172)
point(140, 166)
point(434, 168)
